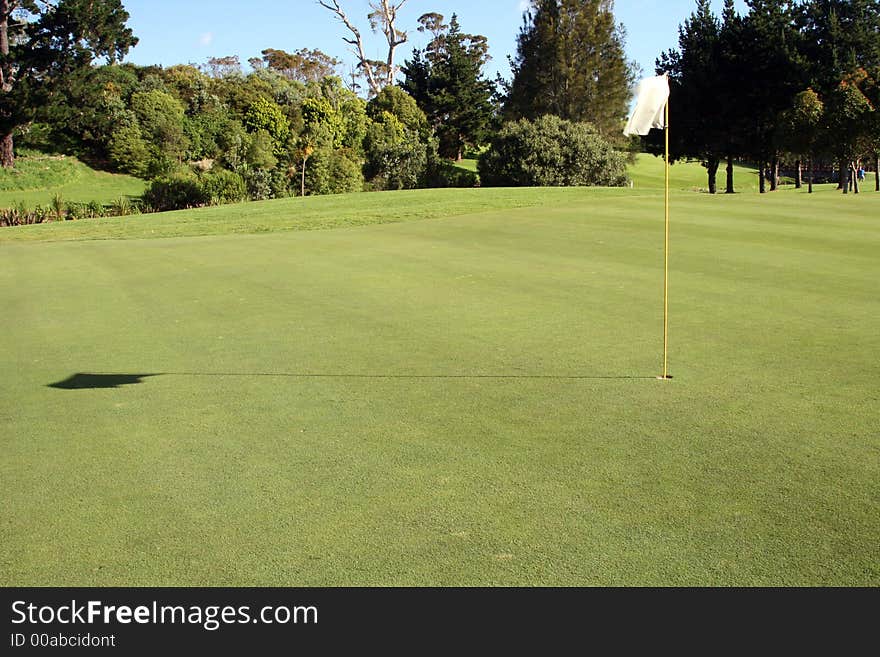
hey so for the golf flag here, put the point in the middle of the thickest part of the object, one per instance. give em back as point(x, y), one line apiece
point(652, 95)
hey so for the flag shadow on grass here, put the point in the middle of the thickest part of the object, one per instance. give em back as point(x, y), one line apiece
point(85, 381)
point(82, 381)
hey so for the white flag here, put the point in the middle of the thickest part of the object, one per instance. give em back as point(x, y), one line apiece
point(652, 95)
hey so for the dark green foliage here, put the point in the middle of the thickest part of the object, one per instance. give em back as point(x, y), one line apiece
point(221, 186)
point(128, 150)
point(443, 174)
point(47, 44)
point(696, 86)
point(449, 87)
point(551, 152)
point(87, 108)
point(206, 132)
point(160, 120)
point(263, 184)
point(570, 62)
point(398, 142)
point(175, 192)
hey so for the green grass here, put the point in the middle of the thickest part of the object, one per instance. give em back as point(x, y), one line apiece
point(467, 165)
point(37, 179)
point(466, 399)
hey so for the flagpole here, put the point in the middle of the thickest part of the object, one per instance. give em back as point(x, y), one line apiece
point(666, 259)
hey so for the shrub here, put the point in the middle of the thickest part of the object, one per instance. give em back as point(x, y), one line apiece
point(551, 152)
point(176, 192)
point(333, 172)
point(123, 207)
point(220, 186)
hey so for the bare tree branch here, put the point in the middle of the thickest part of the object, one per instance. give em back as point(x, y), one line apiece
point(383, 19)
point(357, 41)
point(387, 15)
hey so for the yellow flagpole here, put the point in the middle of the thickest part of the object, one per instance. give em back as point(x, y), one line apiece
point(666, 265)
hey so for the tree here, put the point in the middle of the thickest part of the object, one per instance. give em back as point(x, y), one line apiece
point(42, 42)
point(383, 18)
point(320, 122)
point(770, 55)
point(160, 120)
point(570, 62)
point(223, 67)
point(695, 85)
point(398, 144)
point(302, 65)
point(800, 127)
point(449, 87)
point(850, 119)
point(841, 38)
point(733, 81)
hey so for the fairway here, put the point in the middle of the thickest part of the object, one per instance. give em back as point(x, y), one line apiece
point(465, 399)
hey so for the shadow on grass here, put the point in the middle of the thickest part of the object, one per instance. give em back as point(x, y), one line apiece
point(83, 381)
point(99, 381)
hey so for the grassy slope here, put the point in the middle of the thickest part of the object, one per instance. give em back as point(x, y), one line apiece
point(37, 180)
point(355, 209)
point(426, 402)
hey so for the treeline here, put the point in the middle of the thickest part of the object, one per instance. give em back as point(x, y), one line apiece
point(291, 126)
point(786, 86)
point(220, 136)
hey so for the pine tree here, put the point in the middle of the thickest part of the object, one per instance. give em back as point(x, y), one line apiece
point(570, 61)
point(448, 84)
point(695, 84)
point(770, 48)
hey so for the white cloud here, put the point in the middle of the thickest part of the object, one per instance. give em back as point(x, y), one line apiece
point(523, 5)
point(206, 39)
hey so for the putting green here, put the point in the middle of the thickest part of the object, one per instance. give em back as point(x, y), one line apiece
point(465, 399)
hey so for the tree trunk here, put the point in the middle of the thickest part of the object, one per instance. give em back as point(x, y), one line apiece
point(877, 172)
point(762, 181)
point(730, 189)
point(842, 177)
point(854, 177)
point(712, 168)
point(303, 178)
point(774, 174)
point(7, 154)
point(810, 165)
point(799, 175)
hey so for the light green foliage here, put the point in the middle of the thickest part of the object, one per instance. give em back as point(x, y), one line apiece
point(551, 152)
point(266, 115)
point(333, 172)
point(402, 106)
point(322, 124)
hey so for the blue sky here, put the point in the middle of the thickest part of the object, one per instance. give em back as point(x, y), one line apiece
point(190, 31)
